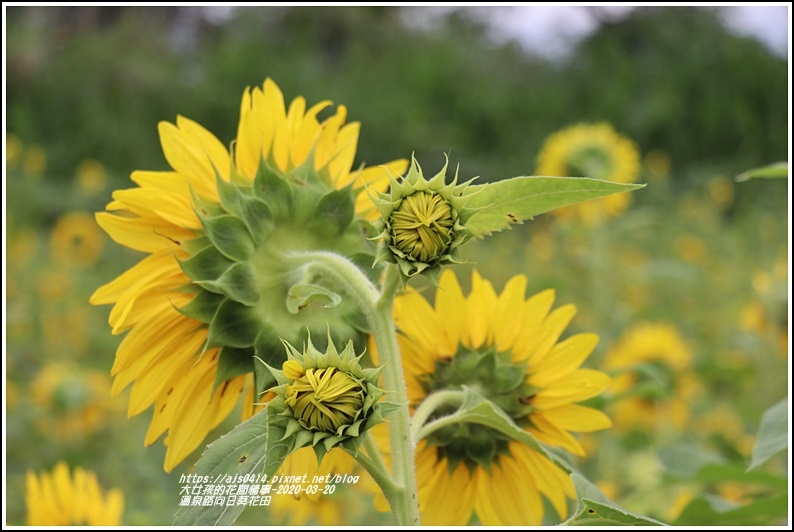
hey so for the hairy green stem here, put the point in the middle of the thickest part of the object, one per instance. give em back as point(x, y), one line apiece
point(432, 403)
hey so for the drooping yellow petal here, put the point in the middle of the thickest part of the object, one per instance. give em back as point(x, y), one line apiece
point(577, 418)
point(451, 305)
point(507, 498)
point(508, 317)
point(479, 307)
point(564, 358)
point(580, 385)
point(444, 499)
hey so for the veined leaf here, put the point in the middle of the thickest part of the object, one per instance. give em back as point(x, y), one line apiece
point(595, 509)
point(770, 171)
point(772, 435)
point(514, 200)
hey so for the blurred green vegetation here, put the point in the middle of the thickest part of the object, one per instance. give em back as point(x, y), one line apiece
point(695, 250)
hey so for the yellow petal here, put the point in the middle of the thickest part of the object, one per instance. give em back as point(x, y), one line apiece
point(564, 358)
point(508, 317)
point(580, 385)
point(479, 308)
point(506, 498)
point(577, 418)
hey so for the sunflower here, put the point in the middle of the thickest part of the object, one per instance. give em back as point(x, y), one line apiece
point(654, 387)
point(217, 231)
point(75, 239)
point(61, 499)
point(508, 348)
point(74, 400)
point(591, 150)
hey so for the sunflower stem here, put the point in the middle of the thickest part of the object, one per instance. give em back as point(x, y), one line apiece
point(377, 308)
point(402, 449)
point(376, 467)
point(432, 403)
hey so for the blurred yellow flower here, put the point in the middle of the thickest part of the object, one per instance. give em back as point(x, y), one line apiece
point(722, 191)
point(54, 285)
point(76, 239)
point(653, 387)
point(14, 149)
point(75, 401)
point(657, 163)
point(508, 348)
point(596, 151)
point(91, 177)
point(691, 249)
point(35, 162)
point(61, 499)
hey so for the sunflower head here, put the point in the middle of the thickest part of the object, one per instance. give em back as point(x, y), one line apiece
point(328, 398)
point(422, 222)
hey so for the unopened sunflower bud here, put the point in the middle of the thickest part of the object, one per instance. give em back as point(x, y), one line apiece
point(422, 222)
point(327, 399)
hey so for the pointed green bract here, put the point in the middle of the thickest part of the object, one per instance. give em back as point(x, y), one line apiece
point(771, 171)
point(504, 203)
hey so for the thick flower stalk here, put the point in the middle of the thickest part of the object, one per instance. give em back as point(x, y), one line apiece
point(328, 398)
point(422, 222)
point(220, 283)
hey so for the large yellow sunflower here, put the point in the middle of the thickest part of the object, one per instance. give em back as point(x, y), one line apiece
point(508, 348)
point(596, 151)
point(63, 499)
point(211, 292)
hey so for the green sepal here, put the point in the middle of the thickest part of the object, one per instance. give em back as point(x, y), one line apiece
point(233, 362)
point(230, 236)
point(234, 325)
point(301, 295)
point(258, 217)
point(230, 196)
point(206, 265)
point(501, 204)
point(335, 211)
point(270, 187)
point(238, 283)
point(269, 351)
point(203, 307)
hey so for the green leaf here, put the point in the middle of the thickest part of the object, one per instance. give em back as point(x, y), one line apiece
point(477, 409)
point(301, 295)
point(595, 509)
point(234, 325)
point(717, 473)
point(684, 460)
point(237, 283)
point(764, 511)
point(233, 362)
point(771, 171)
point(230, 236)
point(514, 200)
point(772, 435)
point(242, 451)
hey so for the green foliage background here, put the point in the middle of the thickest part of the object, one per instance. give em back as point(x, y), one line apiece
point(92, 82)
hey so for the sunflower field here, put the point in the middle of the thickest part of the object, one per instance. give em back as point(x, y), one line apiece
point(348, 266)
